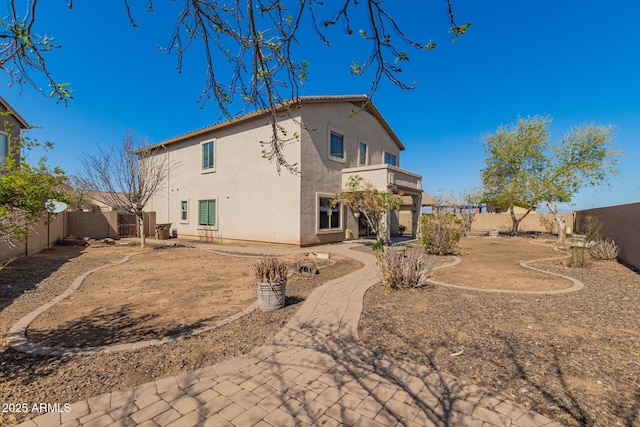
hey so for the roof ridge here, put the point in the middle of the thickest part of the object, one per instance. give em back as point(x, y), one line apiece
point(282, 105)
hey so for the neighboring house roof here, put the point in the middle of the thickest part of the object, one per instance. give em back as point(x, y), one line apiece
point(364, 101)
point(427, 200)
point(14, 113)
point(107, 199)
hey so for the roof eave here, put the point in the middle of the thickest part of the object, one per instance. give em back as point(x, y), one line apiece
point(14, 113)
point(282, 106)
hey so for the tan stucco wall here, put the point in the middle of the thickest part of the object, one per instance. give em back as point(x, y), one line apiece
point(621, 224)
point(323, 175)
point(502, 222)
point(254, 202)
point(41, 236)
point(96, 225)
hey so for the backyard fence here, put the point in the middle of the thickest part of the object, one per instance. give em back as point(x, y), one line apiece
point(621, 224)
point(96, 225)
point(534, 222)
point(42, 235)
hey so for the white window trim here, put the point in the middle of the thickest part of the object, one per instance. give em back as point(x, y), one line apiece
point(384, 154)
point(344, 145)
point(209, 227)
point(186, 221)
point(215, 156)
point(366, 155)
point(342, 218)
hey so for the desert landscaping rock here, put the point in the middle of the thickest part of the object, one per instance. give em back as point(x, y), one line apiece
point(29, 282)
point(571, 356)
point(314, 370)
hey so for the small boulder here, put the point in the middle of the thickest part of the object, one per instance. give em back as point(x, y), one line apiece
point(306, 266)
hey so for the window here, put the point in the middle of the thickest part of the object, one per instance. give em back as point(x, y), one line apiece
point(362, 160)
point(4, 147)
point(336, 146)
point(184, 211)
point(390, 159)
point(329, 217)
point(207, 212)
point(208, 160)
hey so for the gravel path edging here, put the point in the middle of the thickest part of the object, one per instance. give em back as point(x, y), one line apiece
point(577, 284)
point(17, 335)
point(17, 339)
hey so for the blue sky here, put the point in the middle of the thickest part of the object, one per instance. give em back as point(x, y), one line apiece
point(578, 61)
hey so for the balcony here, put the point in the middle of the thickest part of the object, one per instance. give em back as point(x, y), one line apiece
point(386, 176)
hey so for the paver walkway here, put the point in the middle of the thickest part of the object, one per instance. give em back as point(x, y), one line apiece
point(314, 372)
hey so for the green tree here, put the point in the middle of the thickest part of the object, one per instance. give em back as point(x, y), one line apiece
point(363, 198)
point(25, 189)
point(523, 169)
point(253, 50)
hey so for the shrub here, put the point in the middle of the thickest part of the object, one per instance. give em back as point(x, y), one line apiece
point(548, 223)
point(604, 249)
point(270, 270)
point(404, 267)
point(579, 257)
point(378, 245)
point(440, 233)
point(591, 226)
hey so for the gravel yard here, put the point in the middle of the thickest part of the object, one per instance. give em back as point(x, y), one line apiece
point(574, 357)
point(30, 282)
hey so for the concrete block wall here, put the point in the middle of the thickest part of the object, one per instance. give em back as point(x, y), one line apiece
point(485, 222)
point(97, 225)
point(42, 235)
point(621, 224)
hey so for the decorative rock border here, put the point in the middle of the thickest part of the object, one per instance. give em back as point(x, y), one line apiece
point(577, 284)
point(17, 335)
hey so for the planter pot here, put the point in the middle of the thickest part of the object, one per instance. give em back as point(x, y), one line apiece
point(271, 295)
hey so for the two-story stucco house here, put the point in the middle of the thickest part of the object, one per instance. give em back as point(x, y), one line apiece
point(10, 125)
point(219, 186)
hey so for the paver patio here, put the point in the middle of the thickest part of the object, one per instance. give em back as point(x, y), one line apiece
point(315, 371)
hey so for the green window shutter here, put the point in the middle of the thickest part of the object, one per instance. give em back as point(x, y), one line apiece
point(212, 212)
point(203, 212)
point(207, 212)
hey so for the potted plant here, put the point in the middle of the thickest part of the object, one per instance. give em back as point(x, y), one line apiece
point(271, 278)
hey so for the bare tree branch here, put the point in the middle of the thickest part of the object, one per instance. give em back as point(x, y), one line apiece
point(249, 48)
point(126, 176)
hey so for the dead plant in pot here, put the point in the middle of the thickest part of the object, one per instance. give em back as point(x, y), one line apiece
point(271, 278)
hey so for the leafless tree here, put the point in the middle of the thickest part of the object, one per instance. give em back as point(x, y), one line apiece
point(256, 43)
point(126, 176)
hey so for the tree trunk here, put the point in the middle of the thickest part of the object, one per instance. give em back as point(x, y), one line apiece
point(560, 223)
point(141, 224)
point(515, 221)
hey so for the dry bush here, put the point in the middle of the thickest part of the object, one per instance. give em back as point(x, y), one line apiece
point(604, 249)
point(404, 267)
point(270, 270)
point(441, 233)
point(548, 223)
